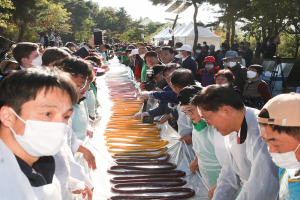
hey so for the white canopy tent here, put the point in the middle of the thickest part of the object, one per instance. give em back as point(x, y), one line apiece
point(204, 34)
point(186, 35)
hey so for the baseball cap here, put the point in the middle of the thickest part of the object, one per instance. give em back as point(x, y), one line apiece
point(185, 48)
point(284, 110)
point(187, 93)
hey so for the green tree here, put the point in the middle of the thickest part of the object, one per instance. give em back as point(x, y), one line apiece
point(6, 6)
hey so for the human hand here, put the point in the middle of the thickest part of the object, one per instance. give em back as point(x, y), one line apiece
point(164, 119)
point(211, 191)
point(144, 95)
point(137, 115)
point(144, 114)
point(142, 86)
point(90, 158)
point(90, 133)
point(86, 191)
point(91, 42)
point(187, 138)
point(194, 165)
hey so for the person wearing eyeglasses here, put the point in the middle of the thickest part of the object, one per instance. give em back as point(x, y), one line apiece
point(208, 144)
point(247, 166)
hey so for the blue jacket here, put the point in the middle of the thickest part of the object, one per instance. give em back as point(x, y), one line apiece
point(163, 107)
point(167, 96)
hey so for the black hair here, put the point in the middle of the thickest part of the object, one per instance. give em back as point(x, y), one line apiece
point(179, 44)
point(95, 59)
point(75, 66)
point(150, 54)
point(53, 54)
point(168, 48)
point(215, 96)
point(70, 44)
point(289, 130)
point(198, 47)
point(129, 50)
point(171, 66)
point(182, 78)
point(227, 74)
point(258, 68)
point(24, 85)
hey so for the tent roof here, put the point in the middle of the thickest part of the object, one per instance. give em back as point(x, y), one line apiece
point(175, 29)
point(158, 34)
point(202, 32)
point(187, 27)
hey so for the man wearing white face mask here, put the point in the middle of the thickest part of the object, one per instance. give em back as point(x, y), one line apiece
point(279, 123)
point(231, 61)
point(33, 128)
point(27, 55)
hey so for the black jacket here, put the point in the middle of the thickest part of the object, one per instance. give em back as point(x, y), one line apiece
point(211, 53)
point(270, 51)
point(248, 57)
point(200, 59)
point(189, 63)
point(235, 47)
point(258, 50)
point(240, 74)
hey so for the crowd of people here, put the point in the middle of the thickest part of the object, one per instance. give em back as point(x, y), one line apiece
point(246, 142)
point(48, 108)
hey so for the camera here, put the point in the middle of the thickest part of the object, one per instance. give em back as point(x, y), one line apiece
point(149, 85)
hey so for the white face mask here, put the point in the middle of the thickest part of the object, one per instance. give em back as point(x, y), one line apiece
point(224, 85)
point(268, 43)
point(41, 138)
point(37, 61)
point(286, 160)
point(231, 64)
point(198, 51)
point(251, 74)
point(209, 67)
point(180, 54)
point(142, 56)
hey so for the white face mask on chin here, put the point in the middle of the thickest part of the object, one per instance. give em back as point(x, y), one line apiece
point(286, 160)
point(37, 62)
point(41, 138)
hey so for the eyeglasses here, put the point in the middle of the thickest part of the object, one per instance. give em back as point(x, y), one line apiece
point(81, 87)
point(166, 77)
point(207, 120)
point(187, 112)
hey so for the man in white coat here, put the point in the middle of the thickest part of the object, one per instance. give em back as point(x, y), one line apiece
point(33, 128)
point(248, 171)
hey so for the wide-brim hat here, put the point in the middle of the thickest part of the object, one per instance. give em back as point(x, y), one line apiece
point(231, 54)
point(4, 63)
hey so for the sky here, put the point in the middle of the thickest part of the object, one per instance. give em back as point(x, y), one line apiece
point(144, 8)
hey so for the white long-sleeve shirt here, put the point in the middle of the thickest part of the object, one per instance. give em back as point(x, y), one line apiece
point(248, 166)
